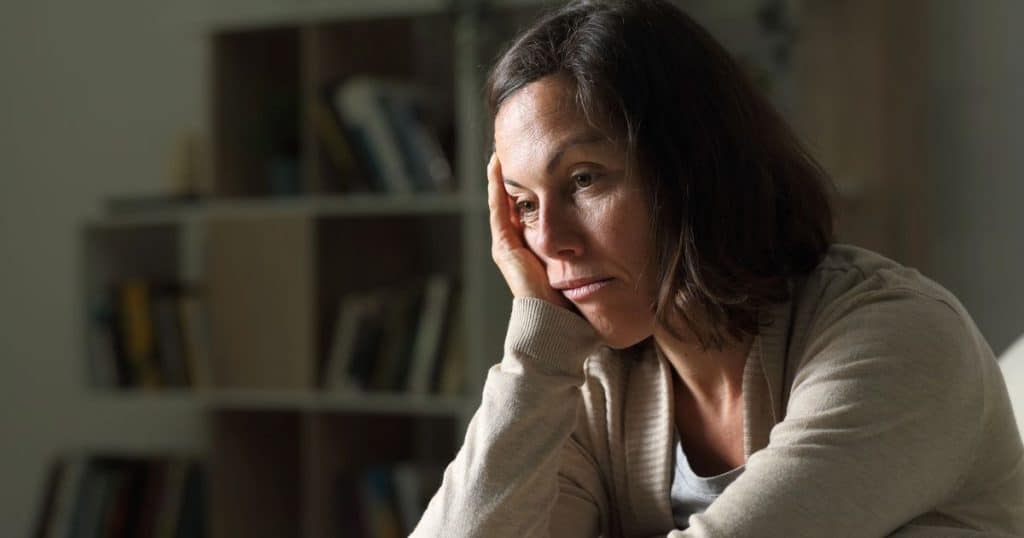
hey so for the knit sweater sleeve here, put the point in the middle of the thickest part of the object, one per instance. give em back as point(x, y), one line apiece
point(513, 475)
point(880, 427)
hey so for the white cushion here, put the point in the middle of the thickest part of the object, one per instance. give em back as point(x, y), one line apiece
point(1012, 364)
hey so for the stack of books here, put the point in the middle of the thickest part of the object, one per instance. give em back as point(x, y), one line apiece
point(92, 496)
point(376, 138)
point(385, 501)
point(146, 333)
point(398, 339)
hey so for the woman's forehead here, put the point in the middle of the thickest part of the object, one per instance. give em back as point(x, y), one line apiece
point(542, 108)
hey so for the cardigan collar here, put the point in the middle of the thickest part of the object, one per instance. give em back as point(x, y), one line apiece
point(764, 387)
point(649, 417)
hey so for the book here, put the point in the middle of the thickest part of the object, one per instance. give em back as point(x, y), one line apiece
point(172, 500)
point(195, 342)
point(151, 497)
point(385, 123)
point(425, 161)
point(146, 333)
point(55, 474)
point(169, 337)
point(116, 509)
point(369, 338)
point(137, 332)
point(92, 497)
point(346, 321)
point(384, 499)
point(106, 366)
point(379, 502)
point(407, 482)
point(358, 100)
point(391, 338)
point(433, 320)
point(449, 369)
point(192, 518)
point(401, 311)
point(337, 146)
point(115, 497)
point(62, 516)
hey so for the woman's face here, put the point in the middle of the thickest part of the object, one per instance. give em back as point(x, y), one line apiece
point(579, 212)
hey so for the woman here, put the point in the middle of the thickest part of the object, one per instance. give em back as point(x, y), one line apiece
point(689, 354)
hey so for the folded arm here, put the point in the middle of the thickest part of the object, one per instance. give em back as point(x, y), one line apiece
point(881, 426)
point(514, 475)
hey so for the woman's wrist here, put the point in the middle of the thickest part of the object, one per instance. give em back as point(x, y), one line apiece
point(556, 338)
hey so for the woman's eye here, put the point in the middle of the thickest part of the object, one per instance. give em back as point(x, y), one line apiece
point(583, 179)
point(525, 206)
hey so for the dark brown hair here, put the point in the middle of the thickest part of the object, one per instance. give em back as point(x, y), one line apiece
point(737, 204)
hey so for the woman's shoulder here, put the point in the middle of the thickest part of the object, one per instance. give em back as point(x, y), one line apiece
point(850, 279)
point(873, 343)
point(858, 302)
point(847, 271)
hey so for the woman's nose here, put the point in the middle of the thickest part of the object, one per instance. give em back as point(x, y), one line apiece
point(558, 234)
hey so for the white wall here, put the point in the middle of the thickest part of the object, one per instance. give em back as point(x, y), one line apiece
point(91, 97)
point(976, 126)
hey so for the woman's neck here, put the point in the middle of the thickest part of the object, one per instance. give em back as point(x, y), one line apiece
point(714, 378)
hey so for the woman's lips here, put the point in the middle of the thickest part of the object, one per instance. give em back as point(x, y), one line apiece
point(585, 291)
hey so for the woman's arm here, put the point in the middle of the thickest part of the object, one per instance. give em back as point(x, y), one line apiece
point(518, 473)
point(882, 424)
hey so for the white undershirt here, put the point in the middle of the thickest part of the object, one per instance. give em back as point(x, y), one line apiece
point(692, 494)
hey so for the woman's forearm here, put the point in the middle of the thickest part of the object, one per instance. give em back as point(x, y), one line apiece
point(504, 480)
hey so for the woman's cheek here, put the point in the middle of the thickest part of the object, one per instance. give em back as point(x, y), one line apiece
point(597, 210)
point(530, 238)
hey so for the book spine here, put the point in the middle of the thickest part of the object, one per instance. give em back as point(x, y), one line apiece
point(332, 139)
point(195, 344)
point(350, 310)
point(429, 333)
point(138, 332)
point(359, 102)
point(170, 338)
point(104, 370)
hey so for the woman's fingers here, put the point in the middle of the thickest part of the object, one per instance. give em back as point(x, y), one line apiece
point(523, 271)
point(495, 191)
point(503, 235)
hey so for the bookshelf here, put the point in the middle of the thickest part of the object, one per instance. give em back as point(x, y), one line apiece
point(268, 246)
point(279, 233)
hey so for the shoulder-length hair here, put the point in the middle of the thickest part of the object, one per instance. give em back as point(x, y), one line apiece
point(738, 206)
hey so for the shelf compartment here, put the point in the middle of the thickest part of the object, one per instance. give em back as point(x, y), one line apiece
point(256, 474)
point(133, 280)
point(274, 286)
point(256, 115)
point(274, 97)
point(325, 401)
point(340, 447)
point(349, 205)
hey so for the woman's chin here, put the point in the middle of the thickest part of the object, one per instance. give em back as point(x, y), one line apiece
point(620, 335)
point(619, 323)
point(622, 343)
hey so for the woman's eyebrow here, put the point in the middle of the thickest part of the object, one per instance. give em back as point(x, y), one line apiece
point(514, 184)
point(581, 139)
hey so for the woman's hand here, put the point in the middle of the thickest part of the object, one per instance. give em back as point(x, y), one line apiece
point(522, 270)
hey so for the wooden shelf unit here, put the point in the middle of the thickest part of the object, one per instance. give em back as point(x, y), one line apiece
point(271, 263)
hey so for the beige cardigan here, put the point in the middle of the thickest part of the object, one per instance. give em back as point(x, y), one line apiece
point(872, 406)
